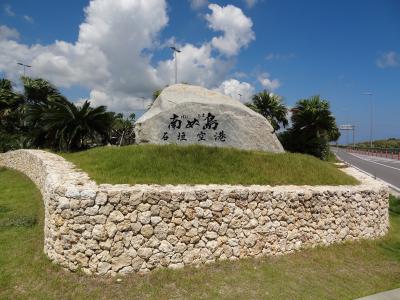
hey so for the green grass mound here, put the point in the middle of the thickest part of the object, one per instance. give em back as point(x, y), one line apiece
point(171, 164)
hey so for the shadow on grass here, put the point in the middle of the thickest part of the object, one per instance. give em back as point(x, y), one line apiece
point(394, 205)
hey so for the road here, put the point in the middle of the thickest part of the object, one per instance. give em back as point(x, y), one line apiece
point(385, 169)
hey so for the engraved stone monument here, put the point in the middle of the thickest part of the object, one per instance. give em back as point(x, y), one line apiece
point(186, 114)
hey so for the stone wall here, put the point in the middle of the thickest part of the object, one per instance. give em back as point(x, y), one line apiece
point(110, 229)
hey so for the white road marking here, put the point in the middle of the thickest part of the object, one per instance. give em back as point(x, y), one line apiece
point(374, 162)
point(392, 162)
point(378, 158)
point(394, 188)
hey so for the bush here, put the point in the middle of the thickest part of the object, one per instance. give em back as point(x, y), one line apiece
point(304, 142)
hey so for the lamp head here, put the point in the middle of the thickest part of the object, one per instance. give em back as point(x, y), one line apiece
point(175, 49)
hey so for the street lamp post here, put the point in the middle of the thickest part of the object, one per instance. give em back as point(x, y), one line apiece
point(24, 66)
point(143, 98)
point(175, 51)
point(371, 117)
point(240, 97)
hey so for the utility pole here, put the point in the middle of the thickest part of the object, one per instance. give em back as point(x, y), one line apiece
point(175, 51)
point(371, 117)
point(24, 66)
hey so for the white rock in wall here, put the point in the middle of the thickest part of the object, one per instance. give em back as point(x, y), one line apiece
point(121, 261)
point(99, 233)
point(116, 216)
point(186, 114)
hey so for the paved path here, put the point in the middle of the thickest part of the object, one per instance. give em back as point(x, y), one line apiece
point(389, 295)
point(385, 169)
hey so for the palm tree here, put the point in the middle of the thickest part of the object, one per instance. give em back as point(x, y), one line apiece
point(67, 126)
point(12, 133)
point(39, 97)
point(122, 130)
point(314, 115)
point(38, 90)
point(313, 126)
point(9, 100)
point(156, 93)
point(271, 107)
point(43, 117)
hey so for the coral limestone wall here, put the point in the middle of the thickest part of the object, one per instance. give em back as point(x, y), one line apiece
point(110, 229)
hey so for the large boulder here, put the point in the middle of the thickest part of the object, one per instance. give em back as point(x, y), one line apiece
point(186, 114)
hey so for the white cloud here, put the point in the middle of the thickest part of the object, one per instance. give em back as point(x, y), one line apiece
point(113, 54)
point(388, 59)
point(118, 101)
point(7, 33)
point(29, 19)
point(8, 10)
point(196, 65)
point(239, 74)
point(250, 3)
point(63, 63)
point(197, 4)
point(267, 82)
point(242, 91)
point(108, 57)
point(236, 28)
point(280, 56)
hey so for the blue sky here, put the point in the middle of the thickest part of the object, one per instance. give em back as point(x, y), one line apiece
point(336, 49)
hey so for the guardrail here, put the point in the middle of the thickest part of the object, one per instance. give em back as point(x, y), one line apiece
point(391, 153)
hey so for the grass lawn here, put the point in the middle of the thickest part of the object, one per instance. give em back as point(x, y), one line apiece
point(170, 164)
point(344, 271)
